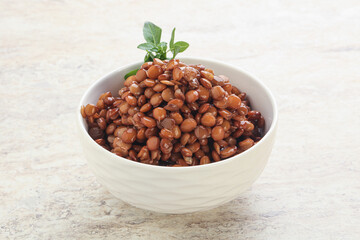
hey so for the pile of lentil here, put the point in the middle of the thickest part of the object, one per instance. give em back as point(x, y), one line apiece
point(174, 114)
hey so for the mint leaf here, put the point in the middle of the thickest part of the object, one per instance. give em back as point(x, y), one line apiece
point(156, 49)
point(175, 51)
point(147, 46)
point(181, 45)
point(152, 33)
point(172, 39)
point(162, 47)
point(131, 73)
point(149, 57)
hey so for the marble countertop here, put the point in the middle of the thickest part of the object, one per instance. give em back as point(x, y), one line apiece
point(307, 52)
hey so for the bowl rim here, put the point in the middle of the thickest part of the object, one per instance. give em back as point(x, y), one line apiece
point(131, 163)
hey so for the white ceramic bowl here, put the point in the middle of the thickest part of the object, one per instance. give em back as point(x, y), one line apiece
point(181, 189)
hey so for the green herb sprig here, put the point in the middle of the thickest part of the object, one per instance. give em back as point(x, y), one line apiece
point(155, 48)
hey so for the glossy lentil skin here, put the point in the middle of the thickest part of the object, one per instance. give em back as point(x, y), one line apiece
point(174, 114)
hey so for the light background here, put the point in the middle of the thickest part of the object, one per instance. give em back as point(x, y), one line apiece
point(307, 52)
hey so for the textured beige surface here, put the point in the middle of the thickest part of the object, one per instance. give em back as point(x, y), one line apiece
point(307, 52)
